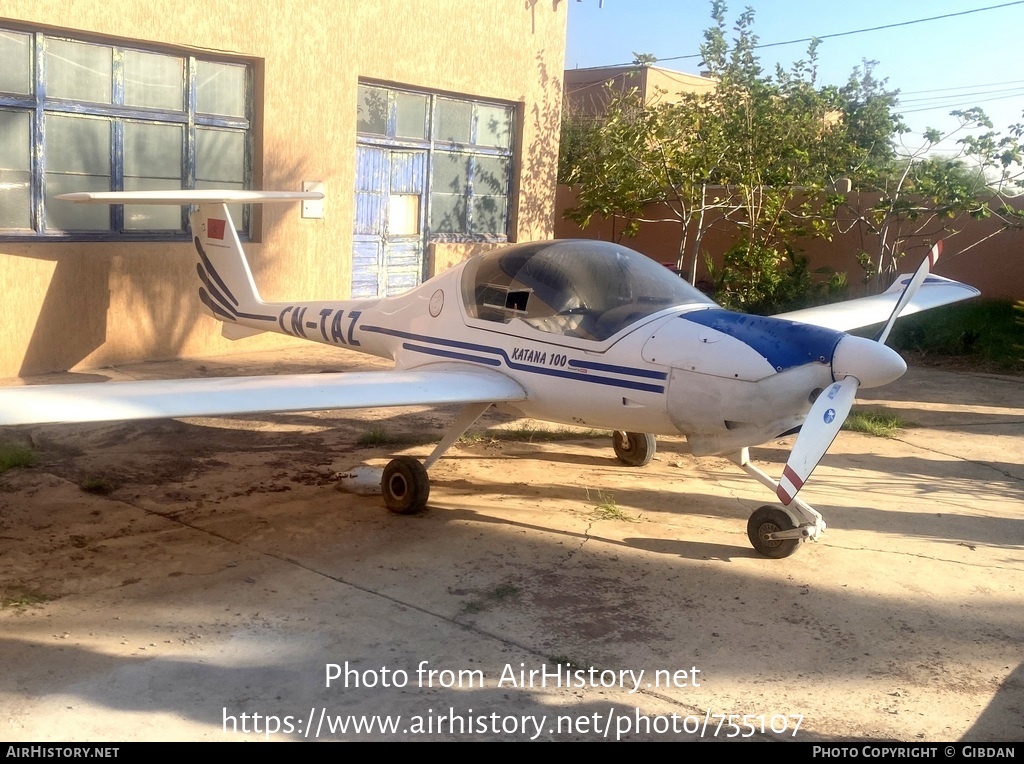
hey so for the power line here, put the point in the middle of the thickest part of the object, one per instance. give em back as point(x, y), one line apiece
point(959, 96)
point(951, 106)
point(962, 87)
point(862, 31)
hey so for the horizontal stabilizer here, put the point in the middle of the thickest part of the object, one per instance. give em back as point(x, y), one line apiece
point(865, 311)
point(221, 396)
point(211, 196)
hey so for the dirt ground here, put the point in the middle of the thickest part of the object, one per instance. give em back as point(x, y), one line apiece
point(200, 579)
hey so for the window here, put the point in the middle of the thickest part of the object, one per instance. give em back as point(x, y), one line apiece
point(469, 145)
point(86, 116)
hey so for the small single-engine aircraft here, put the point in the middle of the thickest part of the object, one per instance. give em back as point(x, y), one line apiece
point(576, 332)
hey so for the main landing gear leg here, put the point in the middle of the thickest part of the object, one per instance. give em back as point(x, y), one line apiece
point(405, 484)
point(776, 531)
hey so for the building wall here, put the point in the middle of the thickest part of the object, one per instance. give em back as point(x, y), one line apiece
point(83, 305)
point(990, 263)
point(587, 90)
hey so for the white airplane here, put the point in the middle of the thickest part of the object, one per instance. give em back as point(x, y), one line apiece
point(576, 332)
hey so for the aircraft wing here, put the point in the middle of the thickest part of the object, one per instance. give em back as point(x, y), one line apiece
point(217, 396)
point(865, 311)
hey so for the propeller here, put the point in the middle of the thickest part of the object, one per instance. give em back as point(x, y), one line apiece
point(911, 289)
point(856, 362)
point(823, 423)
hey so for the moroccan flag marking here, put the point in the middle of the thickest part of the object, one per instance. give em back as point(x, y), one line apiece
point(215, 228)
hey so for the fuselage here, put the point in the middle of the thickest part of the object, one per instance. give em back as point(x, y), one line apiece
point(724, 380)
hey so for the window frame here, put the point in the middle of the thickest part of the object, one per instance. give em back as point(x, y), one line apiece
point(38, 104)
point(437, 147)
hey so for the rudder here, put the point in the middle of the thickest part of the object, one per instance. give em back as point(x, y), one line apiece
point(228, 289)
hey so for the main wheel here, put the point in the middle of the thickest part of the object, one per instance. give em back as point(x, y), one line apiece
point(634, 449)
point(768, 519)
point(405, 485)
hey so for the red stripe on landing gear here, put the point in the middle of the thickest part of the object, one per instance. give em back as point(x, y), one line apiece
point(784, 497)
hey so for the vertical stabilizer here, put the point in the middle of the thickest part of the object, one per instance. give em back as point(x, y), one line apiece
point(228, 290)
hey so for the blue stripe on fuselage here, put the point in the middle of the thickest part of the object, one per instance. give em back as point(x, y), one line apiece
point(594, 379)
point(785, 344)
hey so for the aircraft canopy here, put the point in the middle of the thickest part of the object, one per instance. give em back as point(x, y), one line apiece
point(575, 288)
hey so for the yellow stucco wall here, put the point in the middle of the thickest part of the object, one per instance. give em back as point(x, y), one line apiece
point(587, 90)
point(81, 305)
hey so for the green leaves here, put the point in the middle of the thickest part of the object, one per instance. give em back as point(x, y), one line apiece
point(758, 154)
point(926, 195)
point(754, 152)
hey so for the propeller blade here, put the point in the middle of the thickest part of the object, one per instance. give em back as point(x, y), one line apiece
point(911, 289)
point(823, 423)
point(854, 361)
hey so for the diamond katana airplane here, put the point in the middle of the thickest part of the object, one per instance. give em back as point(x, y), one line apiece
point(576, 332)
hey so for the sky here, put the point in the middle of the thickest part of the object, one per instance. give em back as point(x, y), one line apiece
point(950, 63)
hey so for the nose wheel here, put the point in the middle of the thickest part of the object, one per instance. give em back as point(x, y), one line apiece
point(762, 529)
point(405, 485)
point(634, 449)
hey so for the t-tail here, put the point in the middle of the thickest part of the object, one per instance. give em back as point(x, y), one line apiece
point(225, 283)
point(227, 288)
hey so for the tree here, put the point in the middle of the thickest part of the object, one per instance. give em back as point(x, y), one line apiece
point(642, 163)
point(923, 196)
point(757, 152)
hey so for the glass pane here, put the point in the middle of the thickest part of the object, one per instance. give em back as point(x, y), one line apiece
point(78, 71)
point(153, 81)
point(15, 179)
point(16, 55)
point(77, 159)
point(14, 140)
point(372, 110)
point(490, 214)
point(447, 213)
point(220, 88)
point(411, 117)
point(454, 120)
point(491, 175)
point(152, 162)
point(494, 126)
point(153, 151)
point(151, 217)
point(15, 199)
point(77, 145)
point(403, 214)
point(68, 216)
point(450, 173)
point(220, 156)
